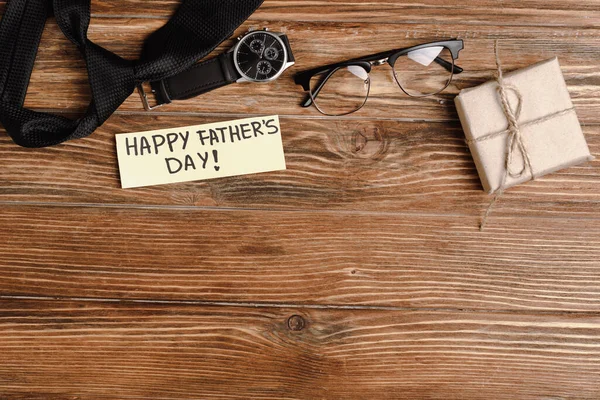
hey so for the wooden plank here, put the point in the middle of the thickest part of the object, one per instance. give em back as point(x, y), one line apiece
point(360, 165)
point(375, 267)
point(559, 13)
point(65, 350)
point(300, 258)
point(60, 71)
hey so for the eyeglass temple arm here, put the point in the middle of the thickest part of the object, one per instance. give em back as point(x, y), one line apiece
point(447, 65)
point(309, 100)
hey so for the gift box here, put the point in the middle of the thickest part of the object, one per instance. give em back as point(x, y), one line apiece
point(522, 126)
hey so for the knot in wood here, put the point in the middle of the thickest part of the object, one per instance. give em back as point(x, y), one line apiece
point(296, 323)
point(369, 143)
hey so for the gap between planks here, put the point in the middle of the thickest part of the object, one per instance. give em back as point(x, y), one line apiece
point(252, 115)
point(266, 19)
point(231, 116)
point(159, 207)
point(283, 306)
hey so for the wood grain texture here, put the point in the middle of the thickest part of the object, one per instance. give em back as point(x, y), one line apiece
point(556, 13)
point(301, 258)
point(369, 239)
point(60, 71)
point(66, 350)
point(357, 165)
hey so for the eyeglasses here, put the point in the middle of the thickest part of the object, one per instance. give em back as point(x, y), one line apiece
point(420, 71)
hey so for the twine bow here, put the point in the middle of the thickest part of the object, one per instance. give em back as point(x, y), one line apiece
point(516, 142)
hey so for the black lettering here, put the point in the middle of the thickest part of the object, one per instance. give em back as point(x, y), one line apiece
point(202, 137)
point(133, 146)
point(204, 158)
point(272, 125)
point(222, 131)
point(216, 157)
point(256, 127)
point(189, 163)
point(145, 145)
point(171, 170)
point(171, 140)
point(158, 141)
point(245, 129)
point(236, 134)
point(214, 138)
point(185, 138)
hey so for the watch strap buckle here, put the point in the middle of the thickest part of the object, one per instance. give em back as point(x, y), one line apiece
point(146, 101)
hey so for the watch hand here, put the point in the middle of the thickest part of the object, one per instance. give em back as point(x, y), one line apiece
point(265, 47)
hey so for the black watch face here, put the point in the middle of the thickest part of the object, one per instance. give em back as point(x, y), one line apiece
point(260, 56)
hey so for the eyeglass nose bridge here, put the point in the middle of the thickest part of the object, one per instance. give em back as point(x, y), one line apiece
point(379, 62)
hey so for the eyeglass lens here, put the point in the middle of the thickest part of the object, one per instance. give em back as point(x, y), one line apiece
point(344, 90)
point(341, 91)
point(424, 72)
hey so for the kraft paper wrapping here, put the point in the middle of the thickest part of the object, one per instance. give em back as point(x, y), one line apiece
point(552, 144)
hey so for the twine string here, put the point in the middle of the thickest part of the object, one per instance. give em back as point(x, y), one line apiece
point(516, 144)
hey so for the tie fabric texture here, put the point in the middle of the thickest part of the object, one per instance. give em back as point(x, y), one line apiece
point(196, 29)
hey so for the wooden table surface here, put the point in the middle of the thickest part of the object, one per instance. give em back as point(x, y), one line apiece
point(359, 273)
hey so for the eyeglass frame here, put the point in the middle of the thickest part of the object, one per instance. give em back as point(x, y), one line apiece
point(368, 62)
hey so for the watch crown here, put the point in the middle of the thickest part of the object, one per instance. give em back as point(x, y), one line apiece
point(266, 29)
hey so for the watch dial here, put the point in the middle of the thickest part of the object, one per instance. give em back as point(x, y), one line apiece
point(260, 56)
point(257, 46)
point(271, 53)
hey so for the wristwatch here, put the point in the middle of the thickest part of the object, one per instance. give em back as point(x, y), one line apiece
point(259, 56)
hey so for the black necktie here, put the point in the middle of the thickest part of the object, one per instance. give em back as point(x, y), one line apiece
point(196, 28)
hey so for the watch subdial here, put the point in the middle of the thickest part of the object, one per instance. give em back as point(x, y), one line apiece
point(271, 54)
point(264, 67)
point(257, 46)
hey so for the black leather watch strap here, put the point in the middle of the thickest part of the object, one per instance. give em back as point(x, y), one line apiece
point(288, 48)
point(201, 78)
